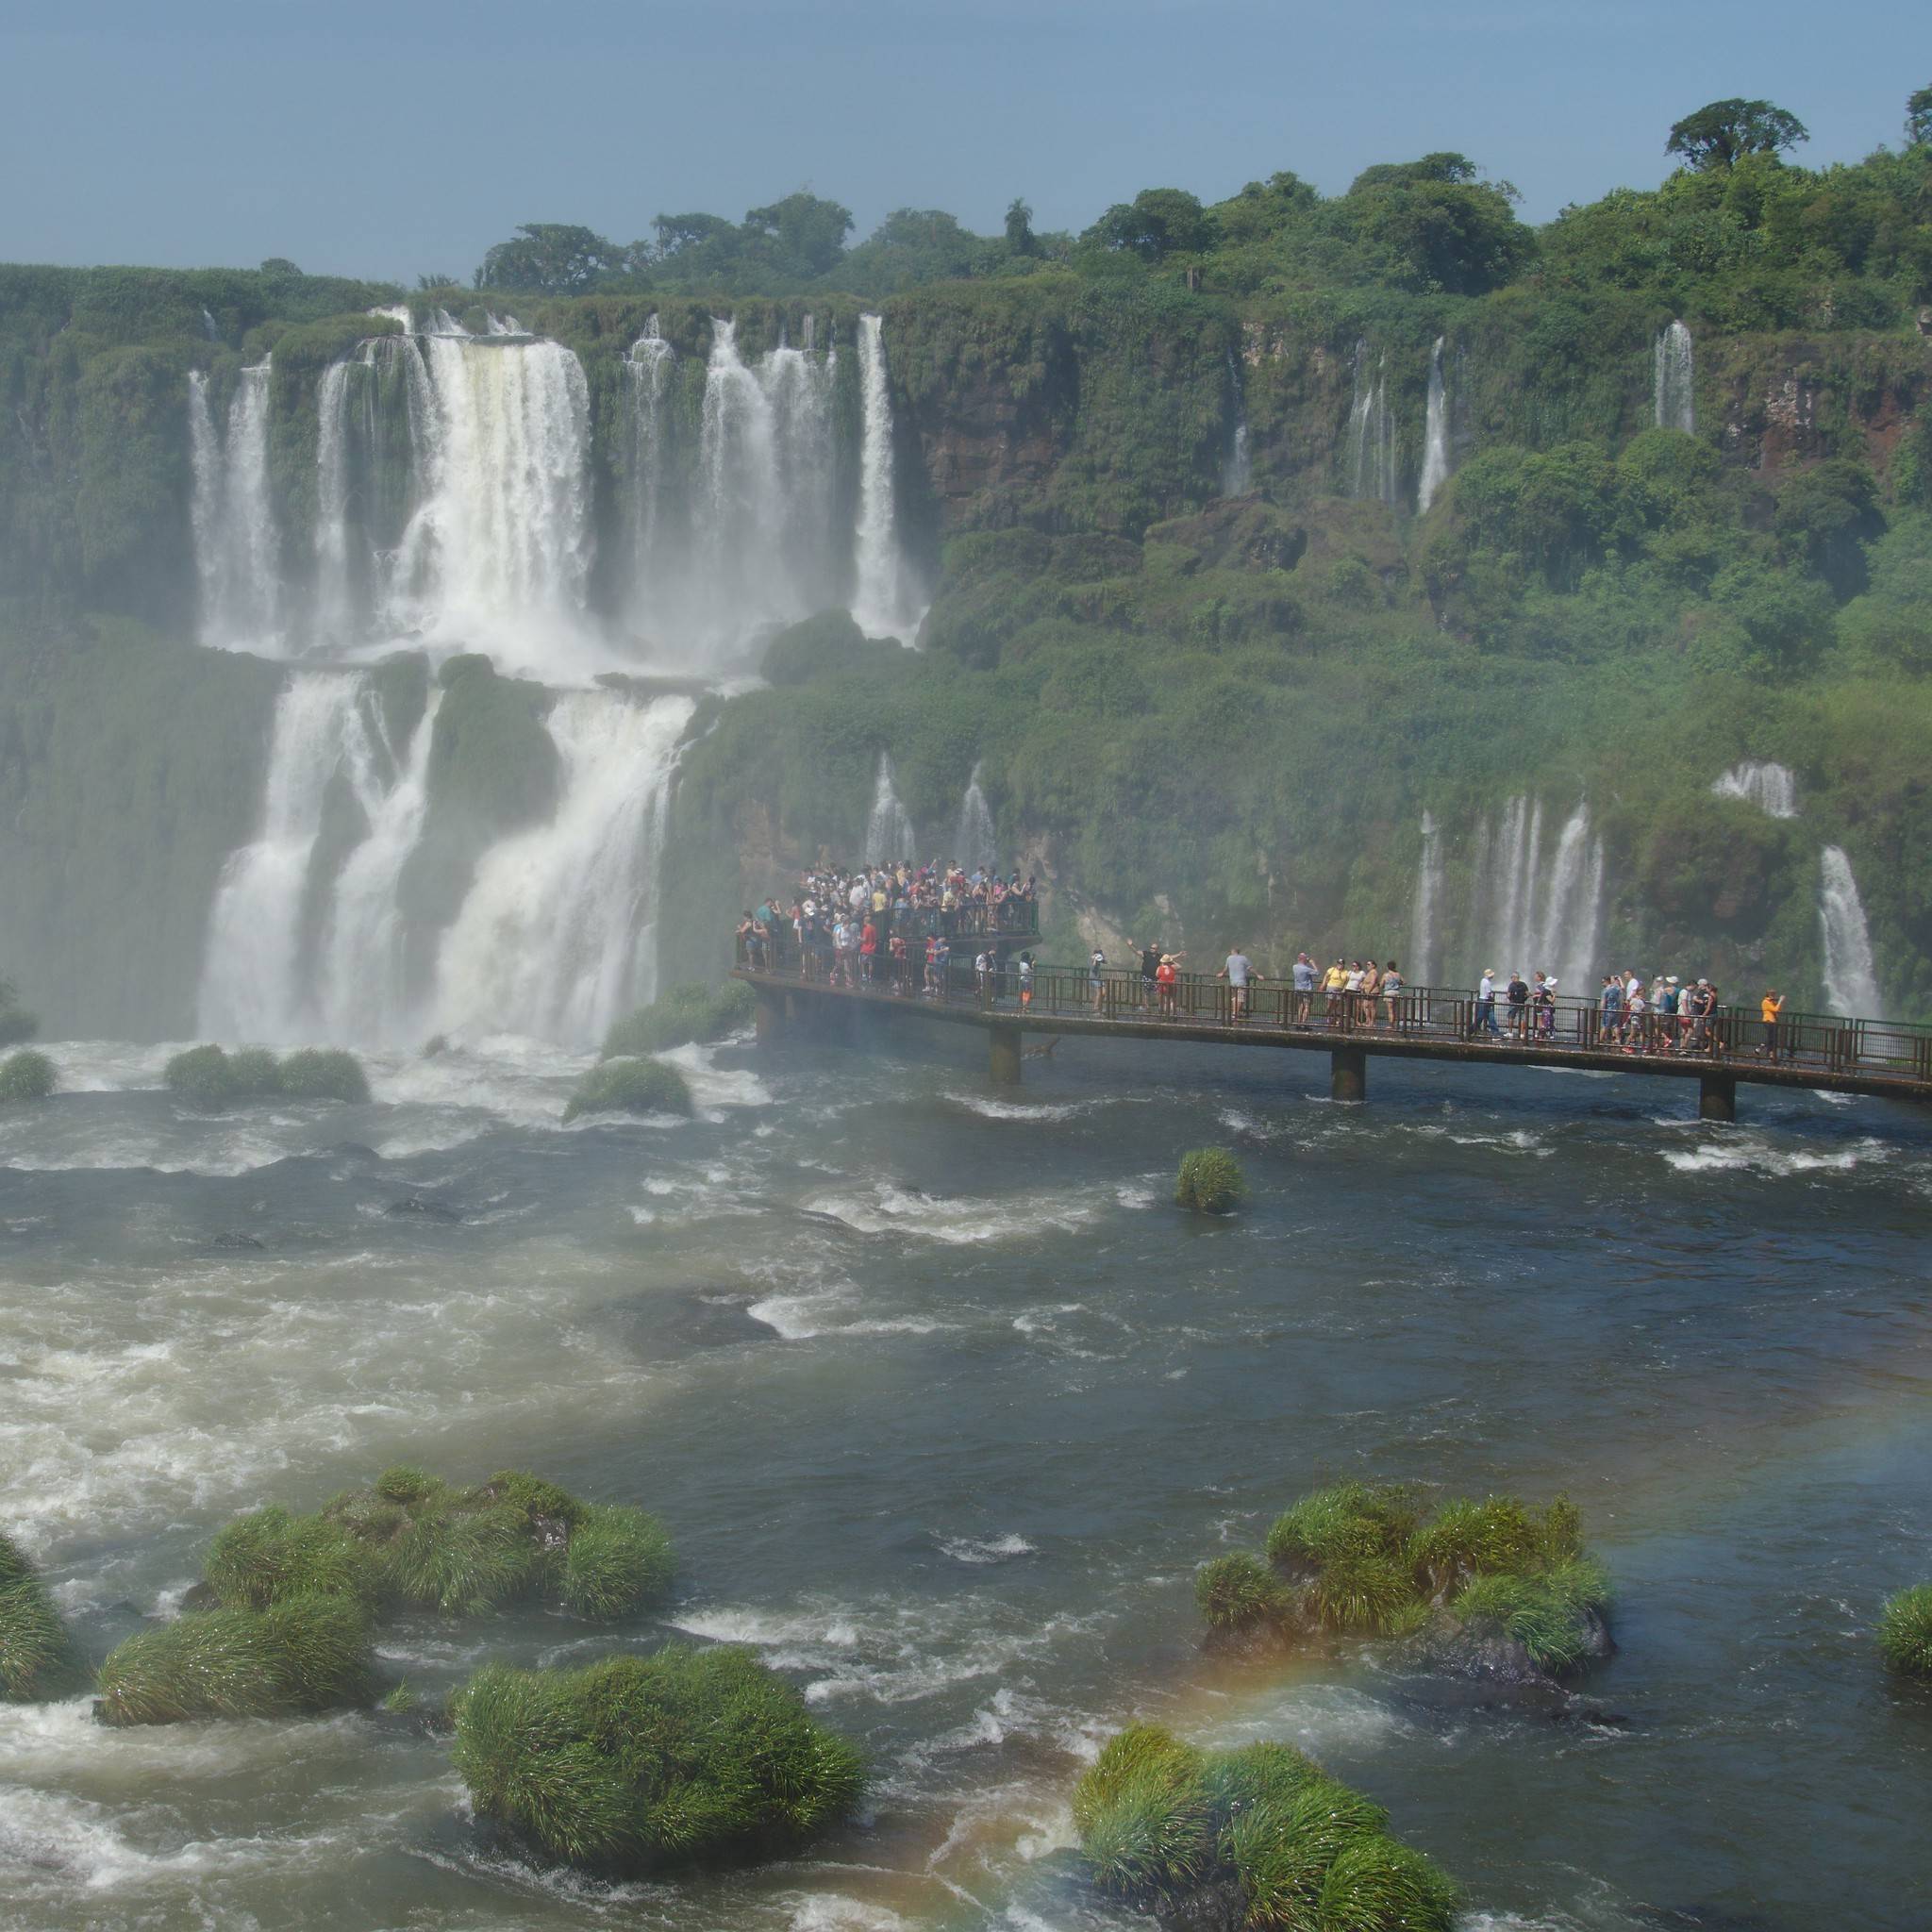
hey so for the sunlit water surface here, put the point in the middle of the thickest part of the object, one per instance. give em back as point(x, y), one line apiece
point(943, 1402)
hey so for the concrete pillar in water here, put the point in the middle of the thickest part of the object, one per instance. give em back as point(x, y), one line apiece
point(1717, 1097)
point(770, 1016)
point(1348, 1077)
point(1003, 1055)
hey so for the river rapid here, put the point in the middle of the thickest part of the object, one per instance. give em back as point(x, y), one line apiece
point(942, 1402)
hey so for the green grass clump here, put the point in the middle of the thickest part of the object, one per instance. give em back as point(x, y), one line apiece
point(270, 1555)
point(683, 1014)
point(322, 1072)
point(630, 1087)
point(1347, 1520)
point(1209, 1181)
point(1546, 1611)
point(1174, 1830)
point(1238, 1593)
point(38, 1660)
point(299, 1657)
point(27, 1075)
point(1904, 1630)
point(413, 1541)
point(690, 1756)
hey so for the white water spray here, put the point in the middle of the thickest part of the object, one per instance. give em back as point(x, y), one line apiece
point(558, 936)
point(889, 833)
point(1435, 434)
point(1238, 473)
point(1538, 920)
point(1429, 895)
point(1772, 788)
point(1851, 976)
point(882, 601)
point(975, 840)
point(233, 514)
point(1673, 390)
point(1370, 432)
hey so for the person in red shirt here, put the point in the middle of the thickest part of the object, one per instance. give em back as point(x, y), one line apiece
point(868, 950)
point(1166, 980)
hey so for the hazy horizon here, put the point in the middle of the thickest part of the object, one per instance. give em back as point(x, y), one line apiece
point(407, 144)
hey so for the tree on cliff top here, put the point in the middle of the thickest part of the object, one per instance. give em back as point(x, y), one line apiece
point(1722, 133)
point(1919, 118)
point(550, 259)
point(1158, 223)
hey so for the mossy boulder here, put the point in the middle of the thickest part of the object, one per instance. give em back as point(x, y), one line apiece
point(38, 1660)
point(301, 1656)
point(636, 1763)
point(209, 1076)
point(1211, 1181)
point(319, 1073)
point(631, 1086)
point(1490, 1589)
point(26, 1076)
point(685, 1014)
point(413, 1541)
point(1257, 1836)
point(1904, 1631)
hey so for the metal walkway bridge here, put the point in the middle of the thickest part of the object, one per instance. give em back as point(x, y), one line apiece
point(1886, 1059)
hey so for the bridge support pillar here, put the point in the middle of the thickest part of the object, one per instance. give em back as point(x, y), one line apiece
point(1348, 1075)
point(1003, 1055)
point(770, 1016)
point(1717, 1097)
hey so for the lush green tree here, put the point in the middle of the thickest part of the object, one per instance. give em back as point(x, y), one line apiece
point(1020, 237)
point(808, 234)
point(1158, 223)
point(1436, 167)
point(1919, 118)
point(1825, 515)
point(550, 259)
point(1723, 132)
point(1438, 229)
point(676, 233)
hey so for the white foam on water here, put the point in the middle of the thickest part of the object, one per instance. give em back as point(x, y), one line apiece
point(1734, 1156)
point(109, 1066)
point(1021, 1110)
point(953, 1220)
point(833, 1911)
point(996, 1549)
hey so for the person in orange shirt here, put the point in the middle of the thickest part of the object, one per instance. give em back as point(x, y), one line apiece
point(1166, 979)
point(1772, 1005)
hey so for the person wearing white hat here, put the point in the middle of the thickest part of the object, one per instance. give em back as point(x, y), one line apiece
point(1484, 1018)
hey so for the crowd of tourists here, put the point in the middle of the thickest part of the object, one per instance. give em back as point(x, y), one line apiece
point(889, 927)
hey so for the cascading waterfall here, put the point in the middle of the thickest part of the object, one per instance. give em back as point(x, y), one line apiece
point(975, 840)
point(233, 516)
point(1429, 895)
point(1539, 921)
point(364, 993)
point(889, 833)
point(1673, 390)
point(882, 600)
point(1851, 975)
point(251, 981)
point(648, 363)
point(1238, 473)
point(1370, 432)
point(1435, 434)
point(1772, 788)
point(556, 937)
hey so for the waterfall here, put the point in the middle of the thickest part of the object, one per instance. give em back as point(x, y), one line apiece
point(1238, 473)
point(1435, 434)
point(364, 993)
point(251, 973)
point(1370, 432)
point(1536, 919)
point(209, 327)
point(882, 601)
point(649, 365)
point(335, 615)
point(975, 842)
point(1428, 894)
point(1770, 786)
point(556, 937)
point(1851, 981)
point(1674, 392)
point(397, 312)
point(233, 517)
point(889, 834)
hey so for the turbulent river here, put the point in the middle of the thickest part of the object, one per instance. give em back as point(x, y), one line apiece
point(943, 1402)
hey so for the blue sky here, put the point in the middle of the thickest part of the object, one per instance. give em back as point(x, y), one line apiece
point(393, 137)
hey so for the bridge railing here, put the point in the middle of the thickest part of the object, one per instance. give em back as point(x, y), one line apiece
point(1823, 1041)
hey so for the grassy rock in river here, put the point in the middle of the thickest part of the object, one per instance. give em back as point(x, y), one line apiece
point(685, 1014)
point(27, 1077)
point(413, 1541)
point(1209, 1181)
point(301, 1656)
point(209, 1076)
point(1257, 1836)
point(1904, 1631)
point(1493, 1589)
point(690, 1756)
point(38, 1660)
point(628, 1085)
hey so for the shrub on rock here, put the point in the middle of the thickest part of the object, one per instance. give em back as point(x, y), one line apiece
point(627, 1086)
point(683, 1014)
point(321, 1073)
point(208, 1077)
point(38, 1660)
point(1209, 1181)
point(301, 1656)
point(270, 1555)
point(27, 1077)
point(616, 1561)
point(686, 1757)
point(1238, 1593)
point(1904, 1631)
point(1258, 1837)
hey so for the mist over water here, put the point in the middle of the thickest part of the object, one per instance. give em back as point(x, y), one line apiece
point(943, 1403)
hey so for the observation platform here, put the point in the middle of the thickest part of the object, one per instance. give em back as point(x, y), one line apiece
point(1886, 1059)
